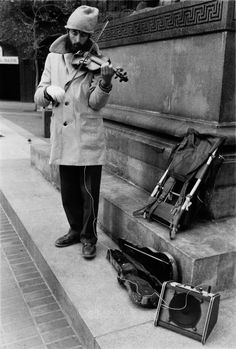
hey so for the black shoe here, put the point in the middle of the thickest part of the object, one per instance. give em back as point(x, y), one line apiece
point(89, 250)
point(68, 239)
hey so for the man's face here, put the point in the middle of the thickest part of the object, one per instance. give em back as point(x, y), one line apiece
point(77, 39)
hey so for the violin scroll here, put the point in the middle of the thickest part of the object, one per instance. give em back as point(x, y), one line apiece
point(119, 74)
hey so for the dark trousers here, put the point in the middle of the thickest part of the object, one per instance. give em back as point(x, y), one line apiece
point(80, 187)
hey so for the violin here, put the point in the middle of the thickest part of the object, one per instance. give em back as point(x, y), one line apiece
point(91, 62)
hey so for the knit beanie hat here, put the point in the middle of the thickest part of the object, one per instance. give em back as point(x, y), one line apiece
point(84, 18)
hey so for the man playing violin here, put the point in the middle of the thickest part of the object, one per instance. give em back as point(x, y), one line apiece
point(77, 132)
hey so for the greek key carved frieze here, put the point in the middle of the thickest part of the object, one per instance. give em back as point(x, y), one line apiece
point(183, 17)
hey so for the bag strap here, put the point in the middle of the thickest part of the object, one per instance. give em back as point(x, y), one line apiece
point(182, 194)
point(170, 182)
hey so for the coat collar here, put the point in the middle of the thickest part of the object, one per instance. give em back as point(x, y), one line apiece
point(59, 45)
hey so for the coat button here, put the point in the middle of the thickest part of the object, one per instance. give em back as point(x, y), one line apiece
point(66, 103)
point(65, 123)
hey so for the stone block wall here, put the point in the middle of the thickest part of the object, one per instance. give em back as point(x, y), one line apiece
point(180, 60)
point(177, 76)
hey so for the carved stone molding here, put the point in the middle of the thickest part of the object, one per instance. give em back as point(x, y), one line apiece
point(168, 124)
point(180, 19)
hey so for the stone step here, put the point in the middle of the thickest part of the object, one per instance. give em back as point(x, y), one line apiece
point(205, 254)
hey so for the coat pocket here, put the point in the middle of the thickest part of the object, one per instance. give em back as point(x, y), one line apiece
point(70, 143)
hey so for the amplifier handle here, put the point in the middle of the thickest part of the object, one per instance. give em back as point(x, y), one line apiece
point(160, 302)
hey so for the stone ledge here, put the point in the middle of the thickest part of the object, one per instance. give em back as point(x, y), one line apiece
point(166, 124)
point(206, 254)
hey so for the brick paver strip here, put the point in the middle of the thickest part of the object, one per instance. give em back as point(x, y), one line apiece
point(58, 314)
point(16, 260)
point(32, 288)
point(64, 343)
point(28, 276)
point(56, 335)
point(36, 281)
point(31, 318)
point(44, 309)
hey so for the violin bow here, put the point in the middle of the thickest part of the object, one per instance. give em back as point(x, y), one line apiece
point(149, 255)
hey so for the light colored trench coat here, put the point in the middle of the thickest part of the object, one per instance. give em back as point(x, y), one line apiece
point(77, 131)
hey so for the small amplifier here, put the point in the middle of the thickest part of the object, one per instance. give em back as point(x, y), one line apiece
point(189, 311)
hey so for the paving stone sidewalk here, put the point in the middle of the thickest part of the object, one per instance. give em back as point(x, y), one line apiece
point(30, 315)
